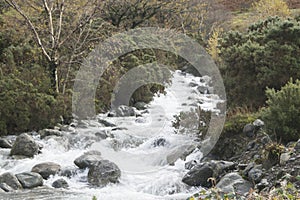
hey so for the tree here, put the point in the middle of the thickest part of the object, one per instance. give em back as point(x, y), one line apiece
point(63, 30)
point(266, 56)
point(283, 114)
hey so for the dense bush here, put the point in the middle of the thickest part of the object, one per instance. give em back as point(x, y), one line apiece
point(266, 56)
point(23, 108)
point(283, 113)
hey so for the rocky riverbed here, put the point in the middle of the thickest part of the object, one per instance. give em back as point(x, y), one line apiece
point(142, 152)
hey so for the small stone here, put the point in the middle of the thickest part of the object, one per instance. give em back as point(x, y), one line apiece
point(284, 157)
point(249, 130)
point(60, 183)
point(160, 142)
point(258, 123)
point(4, 143)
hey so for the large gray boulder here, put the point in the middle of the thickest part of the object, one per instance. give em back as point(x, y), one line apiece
point(88, 159)
point(30, 179)
point(104, 172)
point(233, 182)
point(180, 152)
point(46, 169)
point(25, 146)
point(199, 174)
point(10, 180)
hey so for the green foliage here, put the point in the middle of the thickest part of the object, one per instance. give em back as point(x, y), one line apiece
point(235, 122)
point(267, 55)
point(282, 115)
point(23, 108)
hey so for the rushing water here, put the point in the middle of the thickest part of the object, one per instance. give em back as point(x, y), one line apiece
point(145, 172)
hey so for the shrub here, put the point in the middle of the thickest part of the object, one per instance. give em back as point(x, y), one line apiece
point(23, 108)
point(282, 116)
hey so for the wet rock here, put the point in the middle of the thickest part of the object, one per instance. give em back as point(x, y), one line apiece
point(249, 130)
point(30, 179)
point(88, 159)
point(202, 89)
point(46, 169)
point(125, 111)
point(49, 132)
point(25, 146)
point(1, 190)
point(180, 152)
point(60, 183)
point(106, 123)
point(68, 172)
point(189, 165)
point(10, 180)
point(233, 182)
point(6, 188)
point(255, 175)
point(199, 174)
point(140, 120)
point(104, 172)
point(140, 105)
point(4, 143)
point(160, 142)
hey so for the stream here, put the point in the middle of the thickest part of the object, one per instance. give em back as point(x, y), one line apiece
point(145, 171)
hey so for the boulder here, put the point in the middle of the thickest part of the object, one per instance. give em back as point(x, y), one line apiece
point(104, 172)
point(60, 183)
point(30, 179)
point(10, 180)
point(49, 132)
point(88, 159)
point(140, 105)
point(255, 175)
point(180, 152)
point(25, 146)
point(233, 182)
point(199, 174)
point(125, 111)
point(46, 169)
point(4, 143)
